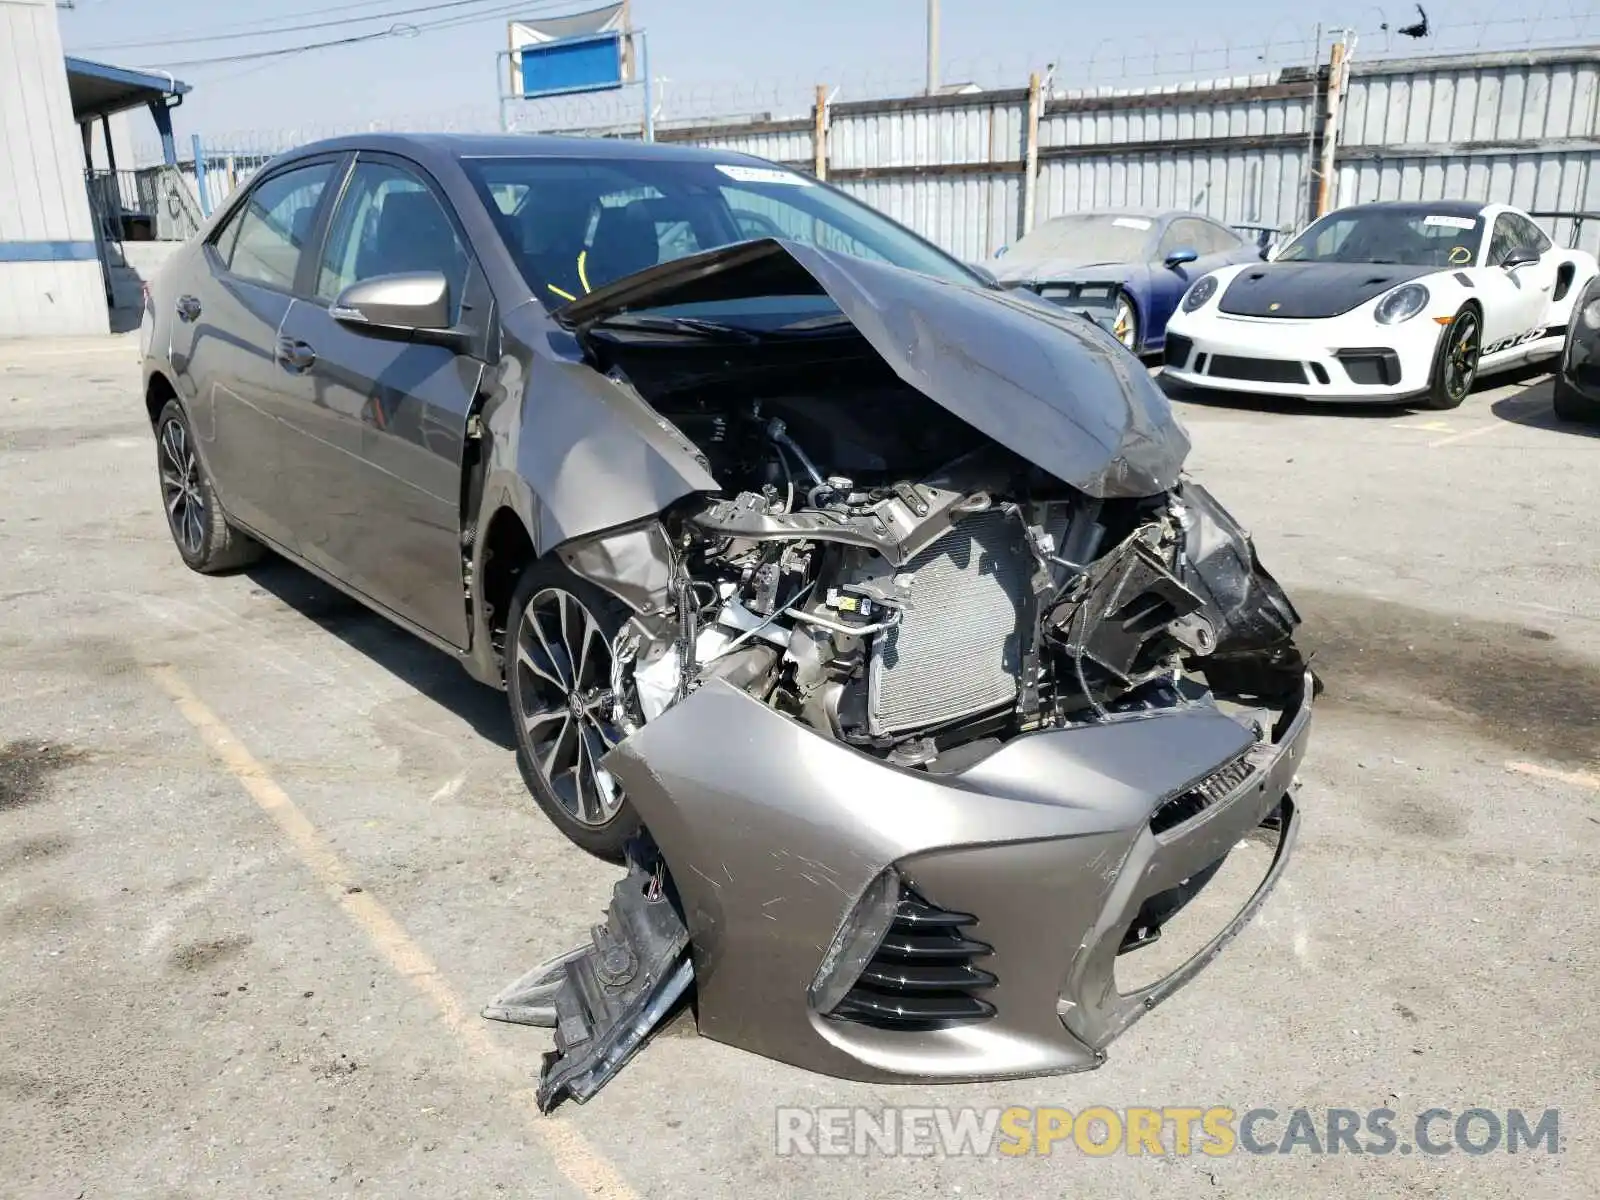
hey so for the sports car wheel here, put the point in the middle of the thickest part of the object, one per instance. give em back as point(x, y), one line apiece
point(1573, 405)
point(205, 539)
point(1455, 364)
point(558, 679)
point(1125, 323)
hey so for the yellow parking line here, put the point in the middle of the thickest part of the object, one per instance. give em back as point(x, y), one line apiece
point(574, 1157)
point(1581, 779)
point(1461, 437)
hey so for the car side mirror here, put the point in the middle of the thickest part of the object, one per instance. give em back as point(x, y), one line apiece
point(415, 302)
point(1520, 257)
point(1184, 254)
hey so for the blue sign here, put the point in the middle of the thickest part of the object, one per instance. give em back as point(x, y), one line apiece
point(592, 63)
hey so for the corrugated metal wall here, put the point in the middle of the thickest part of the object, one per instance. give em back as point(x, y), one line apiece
point(50, 278)
point(1514, 129)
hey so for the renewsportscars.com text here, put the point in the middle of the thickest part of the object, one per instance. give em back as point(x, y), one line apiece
point(1099, 1131)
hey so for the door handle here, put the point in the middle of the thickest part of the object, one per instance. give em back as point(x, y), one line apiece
point(188, 308)
point(295, 355)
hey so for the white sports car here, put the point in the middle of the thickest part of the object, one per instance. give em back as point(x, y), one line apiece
point(1408, 302)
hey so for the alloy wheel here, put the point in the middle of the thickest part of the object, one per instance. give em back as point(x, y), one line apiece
point(564, 702)
point(1461, 359)
point(180, 487)
point(1125, 325)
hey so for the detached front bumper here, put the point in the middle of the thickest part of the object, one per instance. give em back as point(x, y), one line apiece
point(1055, 848)
point(1311, 360)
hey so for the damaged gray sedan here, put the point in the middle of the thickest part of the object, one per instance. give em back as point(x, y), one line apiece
point(862, 608)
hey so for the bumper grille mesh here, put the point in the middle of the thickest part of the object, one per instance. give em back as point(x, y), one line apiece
point(957, 651)
point(924, 975)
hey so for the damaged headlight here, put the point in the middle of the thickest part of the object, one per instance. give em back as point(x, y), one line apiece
point(856, 942)
point(1202, 291)
point(1401, 304)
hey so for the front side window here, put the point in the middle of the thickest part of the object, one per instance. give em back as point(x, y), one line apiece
point(1530, 234)
point(1185, 234)
point(273, 226)
point(389, 223)
point(1410, 236)
point(575, 225)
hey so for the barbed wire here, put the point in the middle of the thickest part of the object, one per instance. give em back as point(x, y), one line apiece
point(1108, 66)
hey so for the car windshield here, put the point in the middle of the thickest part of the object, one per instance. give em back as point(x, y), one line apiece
point(1413, 237)
point(1086, 240)
point(574, 225)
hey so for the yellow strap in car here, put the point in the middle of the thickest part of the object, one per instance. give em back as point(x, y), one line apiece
point(565, 295)
point(583, 275)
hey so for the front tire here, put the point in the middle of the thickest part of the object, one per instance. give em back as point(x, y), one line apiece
point(205, 539)
point(560, 637)
point(1455, 363)
point(1125, 323)
point(1573, 405)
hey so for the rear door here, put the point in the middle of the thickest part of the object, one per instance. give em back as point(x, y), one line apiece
point(224, 341)
point(379, 426)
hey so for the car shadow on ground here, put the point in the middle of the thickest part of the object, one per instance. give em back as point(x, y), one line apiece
point(1249, 402)
point(1535, 408)
point(432, 672)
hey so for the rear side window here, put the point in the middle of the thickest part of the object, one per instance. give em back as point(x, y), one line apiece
point(1217, 240)
point(274, 225)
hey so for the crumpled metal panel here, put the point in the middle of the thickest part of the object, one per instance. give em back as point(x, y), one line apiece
point(1047, 385)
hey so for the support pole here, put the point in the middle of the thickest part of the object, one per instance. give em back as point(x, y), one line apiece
point(1337, 69)
point(933, 47)
point(819, 134)
point(649, 91)
point(114, 185)
point(163, 119)
point(1030, 156)
point(200, 175)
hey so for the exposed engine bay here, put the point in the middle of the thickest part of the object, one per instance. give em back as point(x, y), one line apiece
point(926, 634)
point(882, 571)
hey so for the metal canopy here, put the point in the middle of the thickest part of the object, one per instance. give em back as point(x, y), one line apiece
point(99, 90)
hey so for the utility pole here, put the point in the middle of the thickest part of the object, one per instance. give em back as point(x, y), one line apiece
point(933, 47)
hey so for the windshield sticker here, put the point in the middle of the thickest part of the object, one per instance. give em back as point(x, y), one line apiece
point(1131, 223)
point(1437, 221)
point(1460, 255)
point(762, 175)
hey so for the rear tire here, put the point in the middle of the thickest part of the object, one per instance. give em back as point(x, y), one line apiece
point(1573, 405)
point(1455, 363)
point(200, 530)
point(560, 635)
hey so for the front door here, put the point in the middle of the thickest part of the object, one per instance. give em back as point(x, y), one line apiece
point(1515, 300)
point(378, 431)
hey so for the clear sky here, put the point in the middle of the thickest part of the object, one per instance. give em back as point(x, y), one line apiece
point(859, 45)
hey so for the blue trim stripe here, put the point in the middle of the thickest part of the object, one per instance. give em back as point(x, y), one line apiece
point(15, 252)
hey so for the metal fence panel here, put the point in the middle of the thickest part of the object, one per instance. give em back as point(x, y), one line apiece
point(969, 216)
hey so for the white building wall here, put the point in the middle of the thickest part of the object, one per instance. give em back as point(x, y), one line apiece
point(50, 277)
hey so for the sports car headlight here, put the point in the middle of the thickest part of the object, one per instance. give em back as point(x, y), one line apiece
point(1198, 294)
point(1405, 302)
point(1591, 314)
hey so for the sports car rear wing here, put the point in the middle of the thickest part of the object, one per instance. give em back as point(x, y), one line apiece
point(1577, 218)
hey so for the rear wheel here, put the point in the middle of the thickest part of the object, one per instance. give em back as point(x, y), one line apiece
point(1125, 323)
point(1573, 405)
point(1455, 363)
point(560, 638)
point(199, 529)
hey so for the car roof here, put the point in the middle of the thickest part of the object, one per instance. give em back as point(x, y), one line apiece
point(437, 147)
point(1442, 208)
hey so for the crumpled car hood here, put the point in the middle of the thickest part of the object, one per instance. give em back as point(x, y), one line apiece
point(1045, 384)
